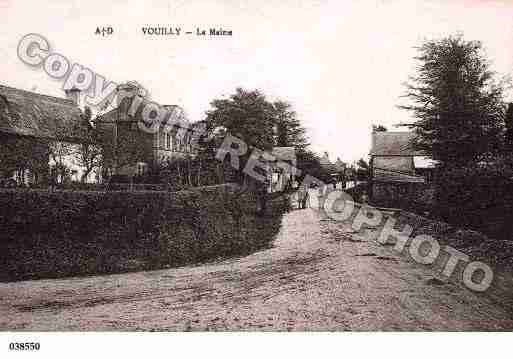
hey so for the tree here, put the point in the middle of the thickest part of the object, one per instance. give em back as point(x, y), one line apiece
point(18, 154)
point(60, 152)
point(289, 131)
point(209, 170)
point(247, 115)
point(456, 100)
point(88, 154)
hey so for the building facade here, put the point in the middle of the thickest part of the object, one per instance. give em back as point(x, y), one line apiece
point(38, 136)
point(400, 175)
point(131, 150)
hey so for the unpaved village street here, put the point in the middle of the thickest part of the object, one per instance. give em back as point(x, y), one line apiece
point(316, 277)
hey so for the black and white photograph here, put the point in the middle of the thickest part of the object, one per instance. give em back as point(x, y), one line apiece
point(335, 169)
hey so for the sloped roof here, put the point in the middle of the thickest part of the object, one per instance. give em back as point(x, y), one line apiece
point(339, 165)
point(26, 113)
point(393, 144)
point(325, 160)
point(174, 114)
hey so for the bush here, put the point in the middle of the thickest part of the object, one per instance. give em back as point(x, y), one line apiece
point(55, 234)
point(79, 186)
point(479, 197)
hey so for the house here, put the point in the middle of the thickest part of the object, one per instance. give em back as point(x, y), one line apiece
point(34, 131)
point(326, 163)
point(133, 150)
point(335, 171)
point(399, 173)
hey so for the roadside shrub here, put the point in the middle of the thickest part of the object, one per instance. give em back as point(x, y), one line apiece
point(62, 233)
point(479, 197)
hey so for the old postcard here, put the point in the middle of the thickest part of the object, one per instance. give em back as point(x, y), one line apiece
point(255, 166)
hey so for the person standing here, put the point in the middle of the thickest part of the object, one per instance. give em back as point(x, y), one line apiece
point(320, 195)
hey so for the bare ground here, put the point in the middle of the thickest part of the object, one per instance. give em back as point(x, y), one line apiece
point(317, 276)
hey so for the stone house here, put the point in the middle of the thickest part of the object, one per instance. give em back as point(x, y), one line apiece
point(400, 175)
point(132, 150)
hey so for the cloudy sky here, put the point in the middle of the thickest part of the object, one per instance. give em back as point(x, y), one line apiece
point(341, 64)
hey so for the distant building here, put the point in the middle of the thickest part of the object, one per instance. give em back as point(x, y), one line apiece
point(336, 171)
point(398, 172)
point(340, 170)
point(34, 131)
point(326, 164)
point(339, 165)
point(147, 148)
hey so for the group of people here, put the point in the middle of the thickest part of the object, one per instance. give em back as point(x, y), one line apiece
point(303, 195)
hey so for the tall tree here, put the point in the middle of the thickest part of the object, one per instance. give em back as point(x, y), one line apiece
point(289, 131)
point(456, 101)
point(88, 154)
point(247, 115)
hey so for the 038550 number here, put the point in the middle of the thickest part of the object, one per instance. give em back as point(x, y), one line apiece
point(24, 346)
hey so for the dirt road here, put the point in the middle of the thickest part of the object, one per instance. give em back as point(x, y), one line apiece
point(316, 277)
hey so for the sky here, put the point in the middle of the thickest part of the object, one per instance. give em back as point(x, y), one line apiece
point(340, 64)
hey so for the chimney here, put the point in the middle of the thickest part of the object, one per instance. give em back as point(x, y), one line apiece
point(73, 94)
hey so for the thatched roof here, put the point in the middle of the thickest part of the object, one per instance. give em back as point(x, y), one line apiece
point(25, 113)
point(393, 144)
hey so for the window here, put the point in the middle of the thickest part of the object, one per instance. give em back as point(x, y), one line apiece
point(403, 189)
point(168, 141)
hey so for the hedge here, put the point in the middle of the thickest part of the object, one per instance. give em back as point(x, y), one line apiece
point(477, 197)
point(55, 234)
